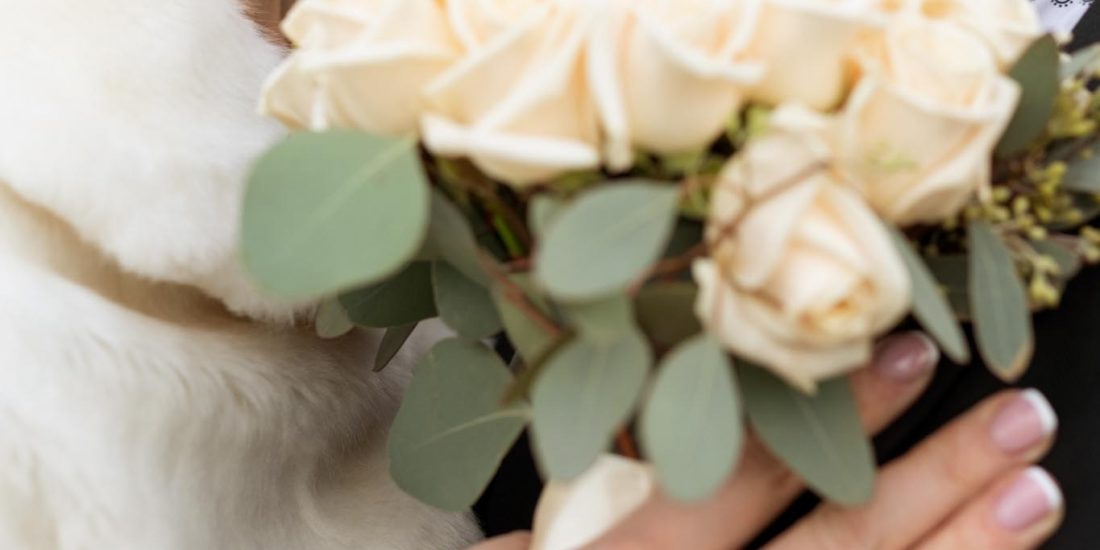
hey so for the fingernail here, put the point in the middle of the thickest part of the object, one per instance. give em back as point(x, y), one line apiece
point(1023, 422)
point(1033, 497)
point(905, 358)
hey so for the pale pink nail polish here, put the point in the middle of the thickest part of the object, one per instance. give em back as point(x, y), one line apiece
point(1023, 422)
point(907, 357)
point(1033, 497)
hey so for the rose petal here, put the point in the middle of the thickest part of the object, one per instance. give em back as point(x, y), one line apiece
point(570, 515)
point(747, 327)
point(515, 158)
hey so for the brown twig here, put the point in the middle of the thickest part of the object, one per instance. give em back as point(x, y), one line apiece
point(672, 266)
point(518, 297)
point(624, 442)
point(518, 265)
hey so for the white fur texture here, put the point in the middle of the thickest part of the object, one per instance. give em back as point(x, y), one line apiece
point(138, 408)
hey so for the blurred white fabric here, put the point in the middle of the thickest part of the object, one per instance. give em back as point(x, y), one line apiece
point(1061, 16)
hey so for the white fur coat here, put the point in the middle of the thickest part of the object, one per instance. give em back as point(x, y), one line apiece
point(150, 398)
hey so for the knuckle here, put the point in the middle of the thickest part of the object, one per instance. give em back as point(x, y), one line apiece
point(958, 459)
point(972, 534)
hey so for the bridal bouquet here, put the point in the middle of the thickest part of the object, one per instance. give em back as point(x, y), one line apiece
point(684, 215)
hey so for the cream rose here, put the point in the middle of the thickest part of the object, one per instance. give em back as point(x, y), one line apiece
point(805, 45)
point(360, 64)
point(1006, 26)
point(802, 275)
point(667, 76)
point(919, 130)
point(516, 104)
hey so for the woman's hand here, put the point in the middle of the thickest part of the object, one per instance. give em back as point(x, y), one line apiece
point(967, 486)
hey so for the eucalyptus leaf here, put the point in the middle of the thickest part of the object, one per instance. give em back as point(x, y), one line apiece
point(452, 239)
point(820, 437)
point(329, 211)
point(404, 298)
point(542, 211)
point(585, 393)
point(1082, 61)
point(464, 305)
point(606, 239)
point(1002, 318)
point(930, 306)
point(1037, 72)
point(530, 339)
point(691, 426)
point(392, 341)
point(452, 429)
point(332, 320)
point(603, 320)
point(1069, 264)
point(1083, 174)
point(952, 273)
point(666, 312)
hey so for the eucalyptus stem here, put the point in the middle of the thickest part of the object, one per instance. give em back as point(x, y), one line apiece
point(624, 442)
point(518, 298)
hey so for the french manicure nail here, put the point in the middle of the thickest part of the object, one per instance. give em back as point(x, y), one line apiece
point(906, 358)
point(1031, 498)
point(1023, 422)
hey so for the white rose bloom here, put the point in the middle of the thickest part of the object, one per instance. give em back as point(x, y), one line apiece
point(1006, 26)
point(805, 45)
point(667, 76)
point(516, 104)
point(360, 64)
point(918, 132)
point(802, 276)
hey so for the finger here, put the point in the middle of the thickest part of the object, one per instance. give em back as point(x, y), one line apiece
point(902, 366)
point(514, 541)
point(916, 492)
point(762, 486)
point(1018, 512)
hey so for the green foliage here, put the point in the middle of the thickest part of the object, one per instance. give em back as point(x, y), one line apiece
point(464, 305)
point(585, 393)
point(691, 425)
point(531, 339)
point(542, 211)
point(332, 320)
point(666, 312)
point(1037, 72)
point(453, 430)
point(330, 211)
point(402, 299)
point(1066, 260)
point(818, 436)
point(930, 306)
point(952, 274)
point(604, 320)
point(1083, 174)
point(1002, 319)
point(606, 239)
point(392, 342)
point(450, 238)
point(1082, 61)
